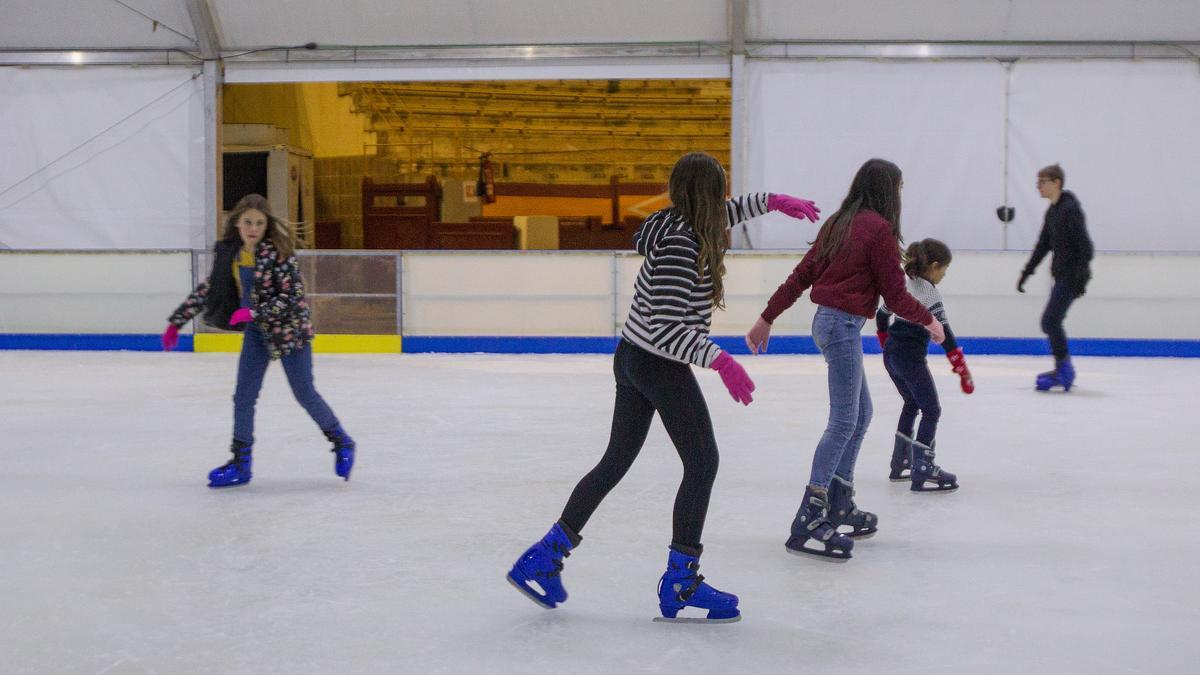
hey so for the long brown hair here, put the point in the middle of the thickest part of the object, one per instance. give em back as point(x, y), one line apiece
point(277, 230)
point(876, 186)
point(921, 254)
point(697, 191)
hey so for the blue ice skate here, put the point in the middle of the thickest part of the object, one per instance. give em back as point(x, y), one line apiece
point(682, 585)
point(928, 476)
point(236, 471)
point(1062, 376)
point(343, 450)
point(537, 573)
point(843, 511)
point(812, 524)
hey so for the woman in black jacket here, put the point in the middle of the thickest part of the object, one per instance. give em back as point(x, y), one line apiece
point(255, 287)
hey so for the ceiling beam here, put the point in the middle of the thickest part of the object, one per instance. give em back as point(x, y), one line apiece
point(205, 26)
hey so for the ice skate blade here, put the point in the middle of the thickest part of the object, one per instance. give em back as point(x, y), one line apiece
point(930, 491)
point(528, 593)
point(226, 487)
point(817, 555)
point(901, 479)
point(697, 619)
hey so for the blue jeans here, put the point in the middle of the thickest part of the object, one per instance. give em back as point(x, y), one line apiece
point(1061, 297)
point(839, 337)
point(252, 366)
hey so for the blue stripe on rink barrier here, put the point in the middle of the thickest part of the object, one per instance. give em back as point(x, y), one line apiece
point(90, 342)
point(499, 344)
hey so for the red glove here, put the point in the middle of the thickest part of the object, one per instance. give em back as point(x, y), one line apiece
point(241, 316)
point(170, 337)
point(793, 206)
point(759, 336)
point(735, 378)
point(958, 363)
point(883, 336)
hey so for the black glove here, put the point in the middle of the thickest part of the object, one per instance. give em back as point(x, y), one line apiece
point(1021, 284)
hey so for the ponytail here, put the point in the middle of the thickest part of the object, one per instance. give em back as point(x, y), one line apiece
point(920, 255)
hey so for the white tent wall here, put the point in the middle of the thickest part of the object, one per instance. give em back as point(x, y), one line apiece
point(101, 158)
point(811, 124)
point(1125, 132)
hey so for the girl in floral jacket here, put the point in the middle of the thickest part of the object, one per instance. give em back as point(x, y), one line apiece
point(255, 287)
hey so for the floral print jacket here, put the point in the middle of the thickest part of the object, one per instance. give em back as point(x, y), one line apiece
point(276, 302)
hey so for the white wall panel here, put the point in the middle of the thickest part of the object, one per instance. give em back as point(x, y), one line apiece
point(91, 292)
point(1127, 135)
point(105, 158)
point(811, 125)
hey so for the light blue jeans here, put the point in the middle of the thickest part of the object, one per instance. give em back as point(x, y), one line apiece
point(839, 337)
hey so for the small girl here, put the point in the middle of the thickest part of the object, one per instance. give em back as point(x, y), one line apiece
point(905, 345)
point(677, 289)
point(255, 287)
point(854, 260)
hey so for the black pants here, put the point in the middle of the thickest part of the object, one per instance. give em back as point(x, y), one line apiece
point(1061, 297)
point(647, 383)
point(906, 363)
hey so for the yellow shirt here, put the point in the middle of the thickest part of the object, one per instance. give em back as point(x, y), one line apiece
point(244, 259)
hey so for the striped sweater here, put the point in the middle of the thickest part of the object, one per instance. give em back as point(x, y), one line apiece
point(929, 296)
point(672, 299)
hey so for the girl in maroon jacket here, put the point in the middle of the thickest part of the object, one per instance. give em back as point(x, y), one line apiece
point(854, 260)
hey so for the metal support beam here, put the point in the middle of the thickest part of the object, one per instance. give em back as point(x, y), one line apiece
point(207, 39)
point(213, 158)
point(740, 238)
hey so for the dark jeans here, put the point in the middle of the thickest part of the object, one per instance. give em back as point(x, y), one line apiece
point(906, 364)
point(252, 366)
point(647, 383)
point(1061, 297)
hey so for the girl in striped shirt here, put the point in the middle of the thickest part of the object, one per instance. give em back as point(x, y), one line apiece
point(678, 287)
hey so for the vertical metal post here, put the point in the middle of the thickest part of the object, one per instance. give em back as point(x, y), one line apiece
point(400, 296)
point(1008, 68)
point(737, 113)
point(616, 294)
point(209, 42)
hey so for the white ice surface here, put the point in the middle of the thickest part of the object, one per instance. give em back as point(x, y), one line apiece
point(1071, 547)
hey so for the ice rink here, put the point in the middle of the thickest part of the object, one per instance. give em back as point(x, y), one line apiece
point(1068, 548)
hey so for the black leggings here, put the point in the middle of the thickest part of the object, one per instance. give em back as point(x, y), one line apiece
point(647, 383)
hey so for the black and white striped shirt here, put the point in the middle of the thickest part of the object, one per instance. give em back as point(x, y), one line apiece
point(672, 299)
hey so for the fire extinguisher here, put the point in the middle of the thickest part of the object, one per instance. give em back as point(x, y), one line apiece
point(485, 186)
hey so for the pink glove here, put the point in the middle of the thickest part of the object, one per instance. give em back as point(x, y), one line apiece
point(936, 331)
point(793, 206)
point(170, 337)
point(735, 378)
point(243, 316)
point(759, 336)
